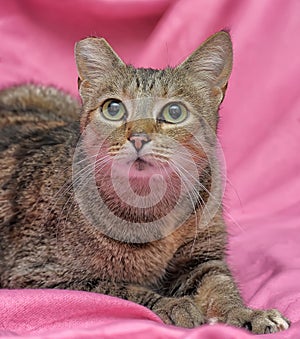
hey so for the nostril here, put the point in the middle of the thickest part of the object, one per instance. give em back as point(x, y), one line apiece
point(139, 139)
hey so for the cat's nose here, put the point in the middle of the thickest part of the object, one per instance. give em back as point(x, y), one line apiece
point(138, 140)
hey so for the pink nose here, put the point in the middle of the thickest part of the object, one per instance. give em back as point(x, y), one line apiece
point(138, 140)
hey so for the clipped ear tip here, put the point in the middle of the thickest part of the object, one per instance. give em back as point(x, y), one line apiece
point(93, 46)
point(95, 56)
point(93, 39)
point(90, 41)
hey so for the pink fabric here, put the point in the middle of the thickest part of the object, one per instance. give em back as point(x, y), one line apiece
point(259, 132)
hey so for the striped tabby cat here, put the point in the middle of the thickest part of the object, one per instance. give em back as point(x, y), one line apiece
point(122, 196)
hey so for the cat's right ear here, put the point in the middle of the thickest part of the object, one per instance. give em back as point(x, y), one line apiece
point(95, 58)
point(211, 62)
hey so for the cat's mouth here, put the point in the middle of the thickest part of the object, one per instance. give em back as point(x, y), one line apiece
point(141, 164)
point(141, 167)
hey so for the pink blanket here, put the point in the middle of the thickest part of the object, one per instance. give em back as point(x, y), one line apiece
point(259, 132)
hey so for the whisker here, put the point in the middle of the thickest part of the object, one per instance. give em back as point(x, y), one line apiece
point(195, 180)
point(194, 208)
point(196, 216)
point(79, 179)
point(62, 191)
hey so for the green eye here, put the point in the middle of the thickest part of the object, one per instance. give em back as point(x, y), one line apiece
point(174, 113)
point(113, 109)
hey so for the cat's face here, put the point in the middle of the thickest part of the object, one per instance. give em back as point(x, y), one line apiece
point(145, 125)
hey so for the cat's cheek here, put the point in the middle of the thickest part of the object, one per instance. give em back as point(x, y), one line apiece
point(95, 149)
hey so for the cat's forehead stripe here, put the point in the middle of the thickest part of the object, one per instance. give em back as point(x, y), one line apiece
point(147, 78)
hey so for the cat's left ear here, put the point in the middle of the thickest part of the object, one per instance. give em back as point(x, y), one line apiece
point(211, 62)
point(95, 58)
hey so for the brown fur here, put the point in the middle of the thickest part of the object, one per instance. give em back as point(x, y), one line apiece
point(46, 241)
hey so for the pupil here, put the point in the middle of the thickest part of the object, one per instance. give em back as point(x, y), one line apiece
point(175, 111)
point(113, 108)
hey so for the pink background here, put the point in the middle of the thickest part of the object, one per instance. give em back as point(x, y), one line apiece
point(259, 133)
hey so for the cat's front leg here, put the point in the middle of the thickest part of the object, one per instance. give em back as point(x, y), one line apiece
point(179, 311)
point(217, 297)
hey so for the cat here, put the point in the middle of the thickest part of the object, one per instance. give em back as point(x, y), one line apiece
point(122, 196)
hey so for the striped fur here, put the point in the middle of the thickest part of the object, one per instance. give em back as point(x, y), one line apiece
point(46, 242)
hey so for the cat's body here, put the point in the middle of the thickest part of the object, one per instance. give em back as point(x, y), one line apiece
point(37, 147)
point(47, 240)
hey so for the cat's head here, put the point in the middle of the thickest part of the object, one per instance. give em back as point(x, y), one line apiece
point(199, 82)
point(143, 122)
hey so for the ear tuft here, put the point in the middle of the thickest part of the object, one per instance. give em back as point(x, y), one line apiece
point(212, 61)
point(95, 57)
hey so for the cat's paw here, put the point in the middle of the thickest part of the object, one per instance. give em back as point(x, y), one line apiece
point(179, 311)
point(258, 321)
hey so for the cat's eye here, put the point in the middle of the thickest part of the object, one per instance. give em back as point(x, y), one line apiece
point(113, 109)
point(173, 113)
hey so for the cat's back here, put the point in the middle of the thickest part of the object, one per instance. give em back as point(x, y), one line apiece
point(38, 125)
point(27, 111)
point(26, 108)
